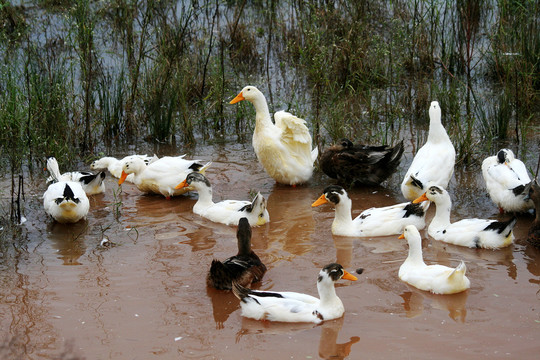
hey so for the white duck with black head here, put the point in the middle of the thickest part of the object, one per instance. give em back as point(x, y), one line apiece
point(227, 212)
point(383, 221)
point(473, 233)
point(284, 147)
point(506, 178)
point(293, 306)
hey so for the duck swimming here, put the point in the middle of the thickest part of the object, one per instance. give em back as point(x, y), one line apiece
point(383, 221)
point(506, 178)
point(91, 183)
point(283, 148)
point(437, 279)
point(293, 306)
point(434, 162)
point(228, 212)
point(474, 233)
point(243, 268)
point(115, 166)
point(66, 201)
point(360, 164)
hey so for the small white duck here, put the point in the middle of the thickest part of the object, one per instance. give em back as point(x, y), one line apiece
point(66, 201)
point(434, 162)
point(283, 148)
point(115, 166)
point(506, 178)
point(296, 307)
point(383, 221)
point(91, 183)
point(438, 279)
point(162, 175)
point(473, 233)
point(227, 212)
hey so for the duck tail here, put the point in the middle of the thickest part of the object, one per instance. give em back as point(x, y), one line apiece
point(54, 170)
point(459, 271)
point(395, 155)
point(92, 179)
point(240, 292)
point(501, 227)
point(314, 154)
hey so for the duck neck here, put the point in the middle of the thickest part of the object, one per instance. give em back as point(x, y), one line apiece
point(327, 292)
point(437, 132)
point(343, 216)
point(415, 252)
point(442, 213)
point(205, 197)
point(262, 117)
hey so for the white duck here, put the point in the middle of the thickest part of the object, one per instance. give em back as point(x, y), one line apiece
point(227, 212)
point(473, 233)
point(506, 178)
point(438, 279)
point(66, 201)
point(161, 176)
point(296, 307)
point(283, 148)
point(383, 221)
point(91, 183)
point(434, 162)
point(115, 166)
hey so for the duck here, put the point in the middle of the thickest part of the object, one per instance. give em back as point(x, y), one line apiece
point(293, 306)
point(162, 175)
point(434, 162)
point(91, 183)
point(228, 212)
point(243, 268)
point(360, 164)
point(284, 147)
point(66, 202)
point(438, 279)
point(506, 178)
point(383, 221)
point(115, 165)
point(533, 236)
point(473, 233)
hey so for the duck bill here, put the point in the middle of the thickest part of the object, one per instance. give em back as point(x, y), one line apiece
point(423, 197)
point(182, 185)
point(348, 276)
point(321, 200)
point(238, 98)
point(122, 177)
point(402, 236)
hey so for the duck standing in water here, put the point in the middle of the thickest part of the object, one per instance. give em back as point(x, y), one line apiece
point(438, 279)
point(434, 162)
point(283, 148)
point(360, 164)
point(244, 268)
point(293, 306)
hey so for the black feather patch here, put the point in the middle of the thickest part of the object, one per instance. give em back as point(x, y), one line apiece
point(68, 195)
point(196, 176)
point(500, 226)
point(518, 190)
point(416, 182)
point(413, 209)
point(89, 177)
point(501, 156)
point(335, 271)
point(331, 193)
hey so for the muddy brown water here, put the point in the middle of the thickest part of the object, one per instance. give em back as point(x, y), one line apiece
point(145, 297)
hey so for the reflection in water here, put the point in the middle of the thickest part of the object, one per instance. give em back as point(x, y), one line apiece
point(68, 240)
point(224, 303)
point(328, 346)
point(344, 249)
point(413, 303)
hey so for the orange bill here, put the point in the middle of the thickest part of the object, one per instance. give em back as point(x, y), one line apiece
point(122, 177)
point(348, 276)
point(402, 236)
point(423, 197)
point(183, 184)
point(321, 200)
point(238, 98)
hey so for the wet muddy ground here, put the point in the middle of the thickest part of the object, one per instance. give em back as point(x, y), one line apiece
point(145, 296)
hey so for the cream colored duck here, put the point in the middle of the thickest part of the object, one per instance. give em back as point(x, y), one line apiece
point(66, 201)
point(434, 162)
point(473, 233)
point(161, 176)
point(91, 183)
point(115, 166)
point(227, 212)
point(438, 279)
point(383, 221)
point(283, 148)
point(506, 178)
point(296, 307)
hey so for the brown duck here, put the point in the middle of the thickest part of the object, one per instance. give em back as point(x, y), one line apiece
point(360, 164)
point(534, 231)
point(244, 268)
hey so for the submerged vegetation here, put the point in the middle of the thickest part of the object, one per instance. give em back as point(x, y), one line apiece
point(78, 76)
